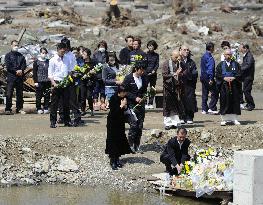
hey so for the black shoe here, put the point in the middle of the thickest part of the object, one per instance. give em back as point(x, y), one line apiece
point(8, 112)
point(167, 127)
point(92, 113)
point(119, 164)
point(53, 125)
point(249, 108)
point(68, 124)
point(113, 164)
point(78, 122)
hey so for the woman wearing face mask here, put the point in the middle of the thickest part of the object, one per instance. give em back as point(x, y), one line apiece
point(109, 76)
point(100, 56)
point(42, 82)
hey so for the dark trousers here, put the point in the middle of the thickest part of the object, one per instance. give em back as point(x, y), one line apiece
point(135, 131)
point(247, 88)
point(168, 165)
point(86, 92)
point(206, 88)
point(152, 81)
point(99, 89)
point(73, 104)
point(16, 83)
point(57, 95)
point(115, 10)
point(43, 90)
point(241, 99)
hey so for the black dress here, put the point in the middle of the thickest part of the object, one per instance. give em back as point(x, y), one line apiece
point(116, 142)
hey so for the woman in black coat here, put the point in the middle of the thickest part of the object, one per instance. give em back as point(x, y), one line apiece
point(116, 142)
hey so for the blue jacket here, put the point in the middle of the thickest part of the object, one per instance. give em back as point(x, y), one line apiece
point(207, 67)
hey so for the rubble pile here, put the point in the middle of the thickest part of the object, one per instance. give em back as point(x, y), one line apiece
point(126, 19)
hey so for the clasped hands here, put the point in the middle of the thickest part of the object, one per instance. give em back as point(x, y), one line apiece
point(229, 79)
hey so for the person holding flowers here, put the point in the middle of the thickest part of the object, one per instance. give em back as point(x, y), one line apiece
point(109, 74)
point(228, 74)
point(136, 87)
point(137, 51)
point(176, 152)
point(57, 72)
point(100, 56)
point(87, 83)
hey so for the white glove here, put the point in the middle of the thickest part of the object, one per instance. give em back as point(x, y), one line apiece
point(36, 84)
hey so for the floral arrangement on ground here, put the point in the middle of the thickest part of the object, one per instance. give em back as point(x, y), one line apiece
point(206, 172)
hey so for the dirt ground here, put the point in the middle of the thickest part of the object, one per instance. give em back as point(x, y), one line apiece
point(86, 144)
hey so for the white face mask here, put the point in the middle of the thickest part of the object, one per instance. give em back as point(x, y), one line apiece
point(102, 50)
point(15, 48)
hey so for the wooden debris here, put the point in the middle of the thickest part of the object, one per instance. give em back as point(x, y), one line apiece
point(251, 26)
point(226, 8)
point(21, 34)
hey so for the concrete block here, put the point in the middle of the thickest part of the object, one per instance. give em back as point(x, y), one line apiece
point(248, 177)
point(242, 198)
point(243, 183)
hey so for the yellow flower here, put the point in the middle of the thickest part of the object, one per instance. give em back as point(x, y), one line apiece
point(70, 78)
point(138, 57)
point(77, 68)
point(187, 168)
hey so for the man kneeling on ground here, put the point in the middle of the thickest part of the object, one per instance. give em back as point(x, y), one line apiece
point(176, 152)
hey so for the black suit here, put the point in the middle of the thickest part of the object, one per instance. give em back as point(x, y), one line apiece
point(248, 71)
point(173, 154)
point(14, 61)
point(133, 92)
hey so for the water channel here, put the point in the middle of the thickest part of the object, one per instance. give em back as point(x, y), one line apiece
point(76, 195)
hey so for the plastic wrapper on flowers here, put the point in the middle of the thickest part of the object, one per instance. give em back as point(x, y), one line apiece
point(205, 173)
point(98, 68)
point(124, 70)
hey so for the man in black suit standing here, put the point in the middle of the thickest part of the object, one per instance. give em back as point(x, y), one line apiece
point(247, 75)
point(176, 152)
point(136, 87)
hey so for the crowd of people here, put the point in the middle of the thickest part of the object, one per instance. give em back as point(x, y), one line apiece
point(227, 82)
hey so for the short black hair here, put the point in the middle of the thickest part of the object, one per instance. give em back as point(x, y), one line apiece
point(61, 46)
point(152, 43)
point(210, 46)
point(182, 130)
point(129, 36)
point(139, 64)
point(43, 49)
point(66, 41)
point(86, 50)
point(121, 88)
point(225, 43)
point(246, 46)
